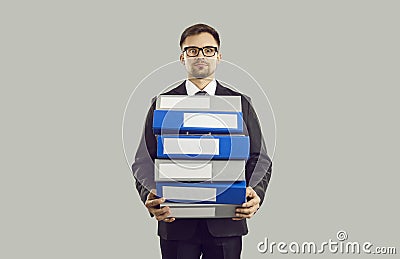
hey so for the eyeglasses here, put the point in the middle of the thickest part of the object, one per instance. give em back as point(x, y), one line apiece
point(208, 51)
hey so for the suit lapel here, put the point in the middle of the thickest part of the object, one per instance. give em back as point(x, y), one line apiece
point(179, 90)
point(221, 90)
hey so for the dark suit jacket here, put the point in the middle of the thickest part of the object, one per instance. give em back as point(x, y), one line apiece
point(258, 170)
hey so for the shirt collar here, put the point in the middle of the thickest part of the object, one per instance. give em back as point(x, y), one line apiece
point(191, 88)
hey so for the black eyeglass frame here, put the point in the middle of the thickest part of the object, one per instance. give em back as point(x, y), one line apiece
point(202, 50)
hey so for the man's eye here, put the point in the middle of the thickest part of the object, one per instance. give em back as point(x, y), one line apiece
point(192, 51)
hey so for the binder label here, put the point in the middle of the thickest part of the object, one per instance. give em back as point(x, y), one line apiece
point(210, 120)
point(176, 102)
point(192, 212)
point(201, 146)
point(189, 193)
point(193, 170)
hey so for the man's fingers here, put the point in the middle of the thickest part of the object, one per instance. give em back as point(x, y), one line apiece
point(245, 211)
point(249, 191)
point(158, 212)
point(253, 202)
point(169, 220)
point(154, 202)
point(152, 194)
point(252, 197)
point(250, 210)
point(242, 216)
point(237, 219)
point(163, 216)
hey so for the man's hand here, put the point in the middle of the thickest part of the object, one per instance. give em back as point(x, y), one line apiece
point(250, 207)
point(152, 205)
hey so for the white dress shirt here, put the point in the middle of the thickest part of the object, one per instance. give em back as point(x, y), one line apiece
point(191, 88)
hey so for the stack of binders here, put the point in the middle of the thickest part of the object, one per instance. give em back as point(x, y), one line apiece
point(201, 155)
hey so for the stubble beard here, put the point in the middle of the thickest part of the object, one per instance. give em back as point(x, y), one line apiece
point(200, 72)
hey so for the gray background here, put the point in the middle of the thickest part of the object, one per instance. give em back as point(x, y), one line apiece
point(330, 69)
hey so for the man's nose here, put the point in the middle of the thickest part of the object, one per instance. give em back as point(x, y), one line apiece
point(200, 53)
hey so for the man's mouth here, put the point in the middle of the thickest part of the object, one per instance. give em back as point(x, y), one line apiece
point(200, 64)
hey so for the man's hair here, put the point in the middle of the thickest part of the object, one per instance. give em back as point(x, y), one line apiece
point(197, 29)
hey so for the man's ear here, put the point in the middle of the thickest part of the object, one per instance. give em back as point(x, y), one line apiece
point(182, 59)
point(219, 57)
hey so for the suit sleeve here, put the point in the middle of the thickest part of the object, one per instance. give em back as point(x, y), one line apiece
point(259, 165)
point(143, 165)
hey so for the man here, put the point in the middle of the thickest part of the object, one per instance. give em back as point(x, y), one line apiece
point(214, 238)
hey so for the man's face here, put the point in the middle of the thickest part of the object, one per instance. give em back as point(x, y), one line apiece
point(200, 66)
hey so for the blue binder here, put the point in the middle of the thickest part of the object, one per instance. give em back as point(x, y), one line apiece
point(197, 122)
point(204, 192)
point(203, 146)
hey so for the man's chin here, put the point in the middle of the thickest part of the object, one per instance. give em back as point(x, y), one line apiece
point(200, 76)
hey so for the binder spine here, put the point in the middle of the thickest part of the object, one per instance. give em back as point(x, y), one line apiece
point(174, 122)
point(190, 210)
point(204, 193)
point(199, 170)
point(203, 147)
point(199, 103)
